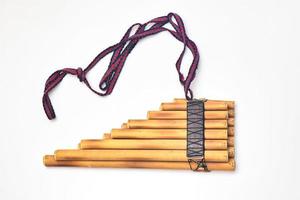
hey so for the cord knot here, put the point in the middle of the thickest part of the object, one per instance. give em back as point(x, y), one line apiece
point(80, 74)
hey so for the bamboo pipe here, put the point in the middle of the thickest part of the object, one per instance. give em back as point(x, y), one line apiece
point(183, 106)
point(49, 161)
point(164, 133)
point(231, 122)
point(231, 131)
point(153, 124)
point(229, 103)
point(231, 113)
point(230, 141)
point(231, 152)
point(231, 148)
point(183, 115)
point(148, 144)
point(137, 155)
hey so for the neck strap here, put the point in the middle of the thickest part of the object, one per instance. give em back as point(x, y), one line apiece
point(120, 51)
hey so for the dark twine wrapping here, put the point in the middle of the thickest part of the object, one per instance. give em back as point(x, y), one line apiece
point(195, 134)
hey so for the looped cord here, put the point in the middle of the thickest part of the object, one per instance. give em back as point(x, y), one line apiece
point(80, 74)
point(200, 164)
point(120, 51)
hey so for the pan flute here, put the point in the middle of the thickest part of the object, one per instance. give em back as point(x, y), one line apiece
point(194, 134)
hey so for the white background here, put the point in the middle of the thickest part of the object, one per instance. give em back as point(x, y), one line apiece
point(249, 53)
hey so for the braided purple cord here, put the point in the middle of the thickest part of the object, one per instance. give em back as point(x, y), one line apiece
point(120, 52)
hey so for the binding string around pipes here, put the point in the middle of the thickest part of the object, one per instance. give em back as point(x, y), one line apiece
point(188, 133)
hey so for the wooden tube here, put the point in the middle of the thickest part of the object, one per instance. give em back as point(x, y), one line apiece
point(231, 122)
point(183, 115)
point(229, 103)
point(49, 161)
point(230, 141)
point(148, 144)
point(231, 152)
point(231, 113)
point(137, 155)
point(164, 133)
point(106, 136)
point(161, 124)
point(183, 106)
point(231, 131)
point(216, 114)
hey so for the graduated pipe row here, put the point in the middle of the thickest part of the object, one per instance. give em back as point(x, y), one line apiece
point(159, 142)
